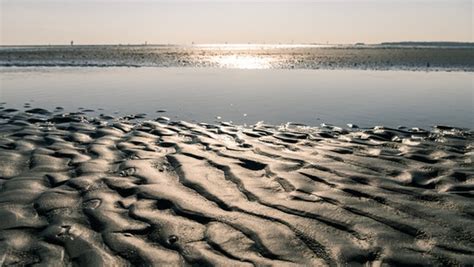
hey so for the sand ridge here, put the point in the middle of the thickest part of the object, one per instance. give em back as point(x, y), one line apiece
point(79, 190)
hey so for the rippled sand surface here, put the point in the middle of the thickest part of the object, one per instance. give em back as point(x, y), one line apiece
point(245, 56)
point(118, 191)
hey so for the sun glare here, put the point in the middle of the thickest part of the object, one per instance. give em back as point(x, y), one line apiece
point(243, 62)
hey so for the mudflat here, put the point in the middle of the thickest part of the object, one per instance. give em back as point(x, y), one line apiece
point(80, 190)
point(374, 57)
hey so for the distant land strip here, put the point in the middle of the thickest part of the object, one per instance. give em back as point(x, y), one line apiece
point(387, 56)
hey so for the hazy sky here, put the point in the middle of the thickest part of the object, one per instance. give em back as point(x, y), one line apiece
point(219, 21)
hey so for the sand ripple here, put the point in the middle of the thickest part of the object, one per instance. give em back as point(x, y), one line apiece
point(88, 191)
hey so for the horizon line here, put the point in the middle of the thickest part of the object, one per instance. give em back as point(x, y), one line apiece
point(240, 44)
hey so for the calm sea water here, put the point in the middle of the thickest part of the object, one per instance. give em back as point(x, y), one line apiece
point(366, 98)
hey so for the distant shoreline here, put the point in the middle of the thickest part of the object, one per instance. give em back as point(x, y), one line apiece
point(382, 44)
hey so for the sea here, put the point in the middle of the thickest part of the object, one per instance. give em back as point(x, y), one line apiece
point(393, 85)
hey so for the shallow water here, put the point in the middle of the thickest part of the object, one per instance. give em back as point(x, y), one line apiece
point(362, 97)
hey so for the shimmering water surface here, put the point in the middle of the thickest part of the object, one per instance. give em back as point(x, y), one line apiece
point(366, 98)
point(247, 56)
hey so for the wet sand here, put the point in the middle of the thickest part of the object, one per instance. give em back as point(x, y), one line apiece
point(373, 57)
point(118, 191)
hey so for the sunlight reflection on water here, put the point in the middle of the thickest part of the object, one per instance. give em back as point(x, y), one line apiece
point(365, 98)
point(242, 62)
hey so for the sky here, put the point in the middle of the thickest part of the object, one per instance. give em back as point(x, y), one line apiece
point(27, 22)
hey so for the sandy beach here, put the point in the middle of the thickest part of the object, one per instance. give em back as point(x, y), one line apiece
point(236, 133)
point(105, 191)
